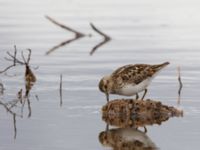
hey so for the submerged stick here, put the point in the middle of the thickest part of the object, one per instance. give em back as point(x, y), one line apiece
point(15, 127)
point(180, 85)
point(61, 90)
point(105, 40)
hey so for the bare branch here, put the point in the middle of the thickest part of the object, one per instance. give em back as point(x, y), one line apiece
point(6, 69)
point(78, 34)
point(13, 59)
point(22, 54)
point(97, 46)
point(29, 56)
point(105, 40)
point(100, 32)
point(61, 45)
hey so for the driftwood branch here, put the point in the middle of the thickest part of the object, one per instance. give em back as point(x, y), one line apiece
point(105, 40)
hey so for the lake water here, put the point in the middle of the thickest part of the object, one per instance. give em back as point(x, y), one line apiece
point(142, 32)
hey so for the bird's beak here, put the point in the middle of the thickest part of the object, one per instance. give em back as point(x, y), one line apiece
point(107, 97)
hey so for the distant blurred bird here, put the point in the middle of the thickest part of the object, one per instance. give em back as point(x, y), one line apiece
point(130, 79)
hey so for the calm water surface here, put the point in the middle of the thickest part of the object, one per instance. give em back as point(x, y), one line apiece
point(142, 32)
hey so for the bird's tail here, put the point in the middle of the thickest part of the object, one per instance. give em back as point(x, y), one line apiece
point(160, 66)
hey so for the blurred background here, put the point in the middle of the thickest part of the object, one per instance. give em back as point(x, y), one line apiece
point(145, 31)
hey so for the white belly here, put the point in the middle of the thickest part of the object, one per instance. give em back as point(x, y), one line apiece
point(131, 89)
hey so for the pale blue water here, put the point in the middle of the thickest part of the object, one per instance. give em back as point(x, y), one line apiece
point(142, 32)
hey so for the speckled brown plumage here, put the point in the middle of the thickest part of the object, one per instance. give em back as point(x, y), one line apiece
point(135, 74)
point(130, 79)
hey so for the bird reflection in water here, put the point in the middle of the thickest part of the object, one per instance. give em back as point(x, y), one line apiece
point(129, 115)
point(126, 139)
point(137, 113)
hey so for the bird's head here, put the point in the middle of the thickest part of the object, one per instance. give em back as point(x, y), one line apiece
point(105, 84)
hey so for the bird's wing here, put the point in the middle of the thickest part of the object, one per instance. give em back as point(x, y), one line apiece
point(134, 74)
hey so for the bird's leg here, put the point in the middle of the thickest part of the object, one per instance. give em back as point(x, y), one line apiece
point(107, 127)
point(137, 96)
point(145, 92)
point(145, 129)
point(107, 97)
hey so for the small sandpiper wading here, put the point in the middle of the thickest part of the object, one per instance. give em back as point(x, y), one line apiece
point(130, 79)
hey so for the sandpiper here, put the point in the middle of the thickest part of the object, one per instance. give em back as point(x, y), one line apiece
point(130, 79)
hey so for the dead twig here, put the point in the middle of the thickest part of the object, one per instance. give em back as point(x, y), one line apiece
point(61, 102)
point(61, 45)
point(180, 84)
point(13, 58)
point(105, 40)
point(78, 35)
